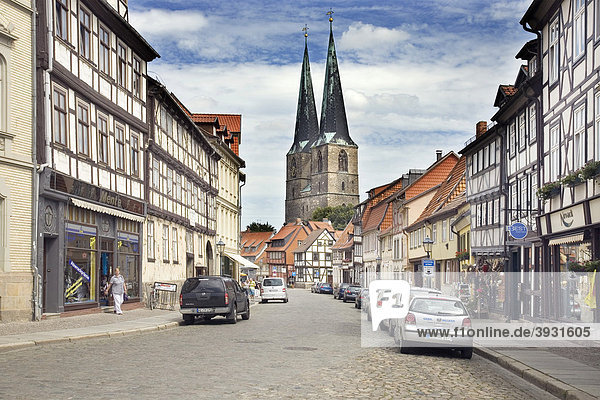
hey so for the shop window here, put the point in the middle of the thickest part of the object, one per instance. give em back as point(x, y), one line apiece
point(128, 257)
point(80, 277)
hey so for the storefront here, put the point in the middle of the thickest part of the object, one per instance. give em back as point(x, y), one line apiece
point(85, 233)
point(571, 238)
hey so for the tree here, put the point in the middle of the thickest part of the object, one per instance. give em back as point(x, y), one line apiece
point(338, 215)
point(259, 227)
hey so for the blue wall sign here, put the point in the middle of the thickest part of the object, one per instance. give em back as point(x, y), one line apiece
point(518, 230)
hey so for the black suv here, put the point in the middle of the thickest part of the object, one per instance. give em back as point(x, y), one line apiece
point(209, 296)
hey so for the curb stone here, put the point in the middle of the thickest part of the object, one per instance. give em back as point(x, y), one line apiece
point(531, 375)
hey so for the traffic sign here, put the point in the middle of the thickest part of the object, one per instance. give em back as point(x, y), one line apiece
point(428, 263)
point(428, 267)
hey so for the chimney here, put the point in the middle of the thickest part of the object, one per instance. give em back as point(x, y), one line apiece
point(438, 155)
point(480, 128)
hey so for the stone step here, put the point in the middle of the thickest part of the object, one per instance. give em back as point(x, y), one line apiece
point(50, 315)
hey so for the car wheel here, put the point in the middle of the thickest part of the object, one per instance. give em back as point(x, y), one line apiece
point(246, 315)
point(232, 316)
point(263, 301)
point(355, 305)
point(397, 335)
point(391, 328)
point(188, 319)
point(345, 301)
point(285, 301)
point(466, 352)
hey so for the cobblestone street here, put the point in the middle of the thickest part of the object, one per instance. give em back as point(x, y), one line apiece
point(307, 348)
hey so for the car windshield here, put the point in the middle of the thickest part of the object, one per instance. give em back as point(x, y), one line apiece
point(202, 285)
point(273, 282)
point(438, 307)
point(354, 289)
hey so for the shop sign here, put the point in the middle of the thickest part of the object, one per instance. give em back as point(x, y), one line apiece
point(567, 219)
point(166, 287)
point(84, 190)
point(517, 230)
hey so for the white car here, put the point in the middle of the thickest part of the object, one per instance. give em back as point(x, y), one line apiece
point(273, 289)
point(435, 321)
point(390, 324)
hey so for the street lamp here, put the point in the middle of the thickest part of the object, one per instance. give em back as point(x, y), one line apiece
point(427, 244)
point(220, 249)
point(378, 270)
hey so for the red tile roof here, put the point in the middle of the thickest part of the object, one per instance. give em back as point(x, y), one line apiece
point(375, 217)
point(508, 90)
point(453, 186)
point(229, 124)
point(254, 239)
point(435, 175)
point(346, 238)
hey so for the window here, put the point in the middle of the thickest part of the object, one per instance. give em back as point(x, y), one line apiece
point(434, 232)
point(120, 148)
point(315, 256)
point(522, 131)
point(122, 65)
point(137, 80)
point(532, 124)
point(512, 140)
point(492, 153)
point(84, 33)
point(102, 139)
point(343, 161)
point(445, 230)
point(60, 117)
point(513, 201)
point(178, 187)
point(104, 56)
point(579, 137)
point(554, 152)
point(151, 240)
point(319, 162)
point(554, 51)
point(524, 206)
point(174, 242)
point(155, 174)
point(189, 242)
point(450, 229)
point(199, 245)
point(165, 243)
point(61, 15)
point(532, 66)
point(170, 182)
point(479, 160)
point(327, 256)
point(83, 130)
point(135, 156)
point(579, 28)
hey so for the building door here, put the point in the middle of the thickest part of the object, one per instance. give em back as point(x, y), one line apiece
point(106, 269)
point(189, 266)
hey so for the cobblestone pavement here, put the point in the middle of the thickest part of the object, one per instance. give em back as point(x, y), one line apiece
point(307, 348)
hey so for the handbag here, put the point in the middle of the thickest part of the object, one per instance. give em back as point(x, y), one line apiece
point(125, 297)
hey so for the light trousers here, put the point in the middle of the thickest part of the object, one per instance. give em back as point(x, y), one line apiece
point(118, 299)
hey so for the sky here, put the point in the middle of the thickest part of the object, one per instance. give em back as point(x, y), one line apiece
point(416, 75)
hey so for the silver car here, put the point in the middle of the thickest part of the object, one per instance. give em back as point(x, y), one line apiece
point(435, 321)
point(390, 324)
point(273, 289)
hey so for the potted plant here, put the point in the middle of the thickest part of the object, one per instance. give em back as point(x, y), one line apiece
point(573, 179)
point(549, 190)
point(590, 170)
point(575, 267)
point(591, 266)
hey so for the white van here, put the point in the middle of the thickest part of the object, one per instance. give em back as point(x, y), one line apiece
point(273, 289)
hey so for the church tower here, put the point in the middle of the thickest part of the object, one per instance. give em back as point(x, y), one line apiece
point(332, 164)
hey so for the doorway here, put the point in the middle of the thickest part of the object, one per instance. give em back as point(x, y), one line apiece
point(106, 268)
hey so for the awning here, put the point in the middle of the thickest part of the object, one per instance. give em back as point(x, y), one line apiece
point(107, 210)
point(566, 239)
point(244, 263)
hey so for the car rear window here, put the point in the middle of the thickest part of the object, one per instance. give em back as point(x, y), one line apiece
point(203, 284)
point(438, 307)
point(325, 285)
point(354, 289)
point(273, 282)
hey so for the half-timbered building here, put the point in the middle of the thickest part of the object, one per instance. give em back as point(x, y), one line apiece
point(92, 120)
point(569, 32)
point(343, 256)
point(181, 187)
point(313, 258)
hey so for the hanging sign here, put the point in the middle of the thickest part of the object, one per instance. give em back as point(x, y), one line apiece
point(517, 230)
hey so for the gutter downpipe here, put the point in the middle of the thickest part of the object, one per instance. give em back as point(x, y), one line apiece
point(37, 279)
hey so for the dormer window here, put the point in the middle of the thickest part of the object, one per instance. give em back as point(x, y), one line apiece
point(532, 66)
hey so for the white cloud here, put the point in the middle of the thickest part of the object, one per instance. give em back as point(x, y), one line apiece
point(174, 23)
point(371, 43)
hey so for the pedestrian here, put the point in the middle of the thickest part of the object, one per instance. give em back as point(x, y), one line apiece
point(252, 288)
point(117, 284)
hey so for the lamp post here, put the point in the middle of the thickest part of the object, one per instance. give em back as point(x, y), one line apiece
point(220, 249)
point(427, 244)
point(378, 270)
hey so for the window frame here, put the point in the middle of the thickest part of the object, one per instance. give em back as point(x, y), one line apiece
point(532, 127)
point(61, 26)
point(103, 137)
point(134, 159)
point(554, 49)
point(150, 240)
point(512, 139)
point(166, 243)
point(136, 84)
point(85, 33)
point(579, 136)
point(554, 152)
point(122, 65)
point(64, 112)
point(119, 147)
point(83, 126)
point(579, 31)
point(521, 129)
point(174, 244)
point(104, 50)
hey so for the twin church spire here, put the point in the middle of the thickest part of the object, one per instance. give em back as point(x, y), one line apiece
point(333, 126)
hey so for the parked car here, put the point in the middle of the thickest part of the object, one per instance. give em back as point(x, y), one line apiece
point(338, 293)
point(208, 296)
point(389, 324)
point(325, 288)
point(350, 293)
point(315, 287)
point(440, 315)
point(362, 298)
point(273, 289)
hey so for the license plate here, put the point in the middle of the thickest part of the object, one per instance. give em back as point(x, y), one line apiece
point(205, 310)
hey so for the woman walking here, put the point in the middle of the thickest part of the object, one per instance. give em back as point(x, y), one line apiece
point(117, 284)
